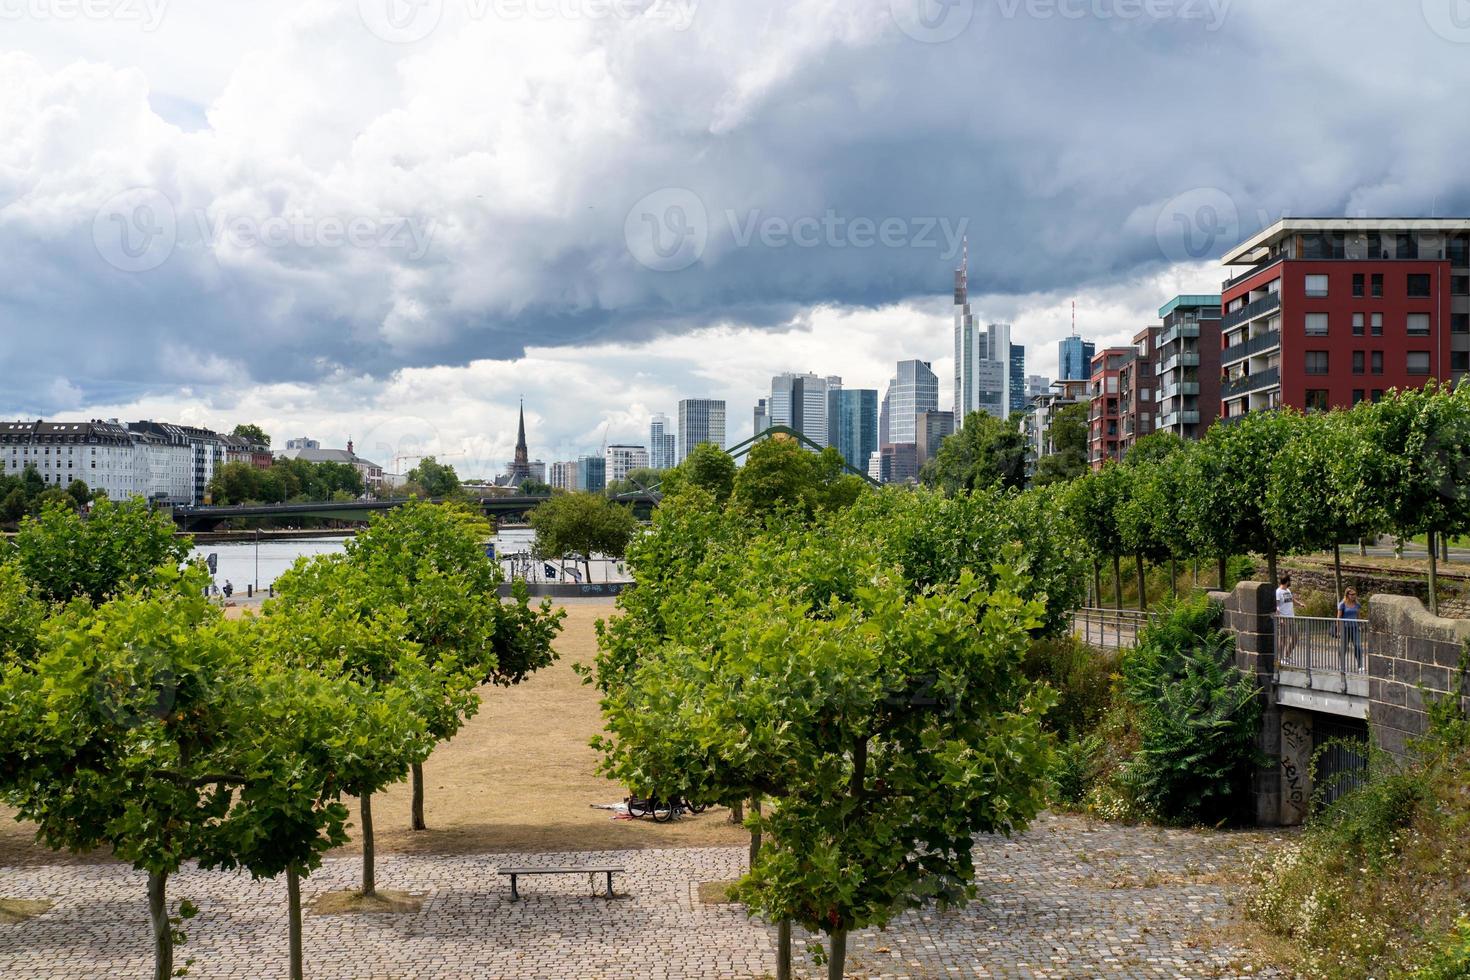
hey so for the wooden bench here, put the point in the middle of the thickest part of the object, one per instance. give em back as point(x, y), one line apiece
point(591, 871)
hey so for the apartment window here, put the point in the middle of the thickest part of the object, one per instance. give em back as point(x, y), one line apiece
point(1460, 285)
point(1360, 361)
point(1460, 360)
point(1460, 323)
point(1377, 324)
point(1316, 361)
point(1358, 324)
point(1317, 285)
point(1418, 324)
point(1316, 324)
point(1418, 285)
point(1357, 395)
point(1377, 362)
point(1316, 399)
point(1377, 284)
point(1375, 246)
point(1459, 251)
point(1360, 284)
point(1418, 362)
point(1378, 394)
point(1406, 246)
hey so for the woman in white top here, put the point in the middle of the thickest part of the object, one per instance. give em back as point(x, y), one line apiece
point(1285, 609)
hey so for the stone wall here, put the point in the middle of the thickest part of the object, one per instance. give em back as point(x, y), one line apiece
point(1320, 580)
point(1411, 656)
point(1248, 611)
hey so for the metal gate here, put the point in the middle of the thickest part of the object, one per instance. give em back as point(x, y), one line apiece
point(1340, 748)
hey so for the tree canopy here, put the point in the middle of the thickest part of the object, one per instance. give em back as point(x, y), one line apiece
point(985, 452)
point(66, 555)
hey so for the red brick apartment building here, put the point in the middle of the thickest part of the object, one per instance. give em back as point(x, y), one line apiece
point(1327, 312)
point(1105, 419)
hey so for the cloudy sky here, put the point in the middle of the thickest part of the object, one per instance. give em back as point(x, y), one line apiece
point(390, 219)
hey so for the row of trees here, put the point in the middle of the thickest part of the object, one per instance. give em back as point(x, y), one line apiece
point(1283, 483)
point(286, 480)
point(27, 493)
point(134, 716)
point(844, 663)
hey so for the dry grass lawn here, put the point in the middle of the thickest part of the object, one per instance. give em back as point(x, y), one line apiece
point(519, 777)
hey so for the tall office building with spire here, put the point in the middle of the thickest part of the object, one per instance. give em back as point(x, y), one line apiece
point(982, 357)
point(1074, 355)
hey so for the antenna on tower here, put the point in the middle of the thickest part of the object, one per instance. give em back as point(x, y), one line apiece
point(1074, 318)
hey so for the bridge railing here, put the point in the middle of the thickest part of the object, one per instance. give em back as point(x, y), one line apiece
point(1314, 643)
point(1113, 629)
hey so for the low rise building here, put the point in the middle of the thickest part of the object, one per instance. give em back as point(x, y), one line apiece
point(371, 473)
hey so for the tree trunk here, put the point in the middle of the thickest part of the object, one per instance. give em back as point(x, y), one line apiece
point(293, 912)
point(1196, 572)
point(1363, 547)
point(755, 835)
point(163, 933)
point(1142, 585)
point(838, 960)
point(783, 950)
point(1224, 561)
point(1444, 548)
point(1337, 569)
point(369, 873)
point(1433, 575)
point(1173, 578)
point(1117, 583)
point(1271, 567)
point(417, 819)
point(737, 813)
point(1096, 583)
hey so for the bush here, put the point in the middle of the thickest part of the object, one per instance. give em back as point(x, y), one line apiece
point(1197, 718)
point(1081, 675)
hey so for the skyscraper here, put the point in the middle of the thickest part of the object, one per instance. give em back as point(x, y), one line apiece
point(965, 354)
point(700, 420)
point(914, 388)
point(760, 419)
point(1016, 382)
point(1074, 358)
point(800, 401)
point(591, 474)
point(982, 358)
point(852, 424)
point(622, 460)
point(662, 443)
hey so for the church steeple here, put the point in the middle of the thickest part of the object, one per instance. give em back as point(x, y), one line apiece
point(520, 467)
point(521, 435)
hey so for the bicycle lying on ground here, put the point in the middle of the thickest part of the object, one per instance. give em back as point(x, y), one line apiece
point(662, 811)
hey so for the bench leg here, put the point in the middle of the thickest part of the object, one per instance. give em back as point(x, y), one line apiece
point(609, 886)
point(515, 896)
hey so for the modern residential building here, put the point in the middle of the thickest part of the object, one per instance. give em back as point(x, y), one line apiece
point(1188, 365)
point(1327, 312)
point(914, 388)
point(1036, 426)
point(564, 475)
point(930, 429)
point(800, 401)
point(1074, 358)
point(898, 463)
point(663, 443)
point(538, 470)
point(700, 420)
point(982, 358)
point(372, 473)
point(103, 455)
point(760, 418)
point(1105, 425)
point(1138, 389)
point(1016, 379)
point(591, 474)
point(622, 460)
point(852, 424)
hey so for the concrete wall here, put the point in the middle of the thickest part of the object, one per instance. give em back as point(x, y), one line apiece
point(1411, 656)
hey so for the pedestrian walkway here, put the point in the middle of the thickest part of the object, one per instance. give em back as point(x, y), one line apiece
point(1068, 898)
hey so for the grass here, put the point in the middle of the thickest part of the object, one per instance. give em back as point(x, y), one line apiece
point(715, 893)
point(356, 903)
point(14, 910)
point(520, 777)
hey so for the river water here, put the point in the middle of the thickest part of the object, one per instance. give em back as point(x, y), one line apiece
point(245, 562)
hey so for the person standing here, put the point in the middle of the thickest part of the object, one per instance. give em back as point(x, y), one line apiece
point(1285, 611)
point(1349, 611)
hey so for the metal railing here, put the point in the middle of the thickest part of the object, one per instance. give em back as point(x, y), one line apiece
point(1251, 382)
point(1112, 629)
point(1254, 345)
point(1266, 304)
point(1329, 646)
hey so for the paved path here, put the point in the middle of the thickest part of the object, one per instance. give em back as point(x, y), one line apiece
point(1066, 899)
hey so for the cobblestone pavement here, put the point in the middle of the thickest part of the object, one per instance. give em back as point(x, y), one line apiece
point(1067, 899)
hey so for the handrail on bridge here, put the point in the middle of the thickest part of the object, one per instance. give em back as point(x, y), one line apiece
point(1320, 643)
point(1115, 629)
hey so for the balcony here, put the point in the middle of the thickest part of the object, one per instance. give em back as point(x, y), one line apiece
point(1179, 330)
point(1179, 388)
point(1172, 419)
point(1266, 304)
point(1251, 382)
point(1250, 272)
point(1183, 359)
point(1255, 345)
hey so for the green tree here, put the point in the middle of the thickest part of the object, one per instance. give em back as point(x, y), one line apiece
point(1145, 530)
point(780, 474)
point(253, 432)
point(13, 505)
point(21, 614)
point(434, 479)
point(986, 452)
point(1093, 504)
point(117, 546)
point(708, 468)
point(582, 525)
point(1068, 458)
point(535, 488)
point(79, 493)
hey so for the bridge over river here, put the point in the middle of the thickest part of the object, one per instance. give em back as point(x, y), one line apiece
point(209, 518)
